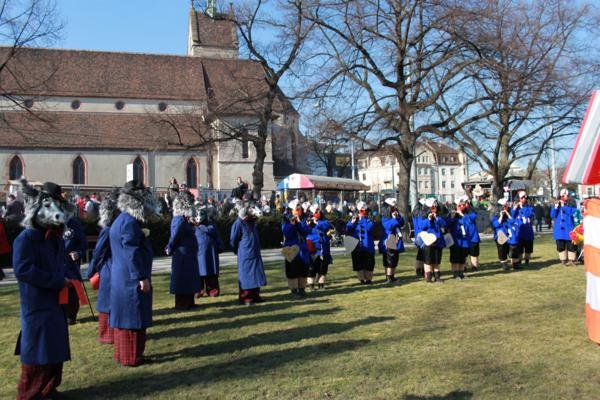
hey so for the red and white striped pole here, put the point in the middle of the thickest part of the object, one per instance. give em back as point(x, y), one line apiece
point(591, 249)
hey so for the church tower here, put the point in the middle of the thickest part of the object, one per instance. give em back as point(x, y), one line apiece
point(212, 34)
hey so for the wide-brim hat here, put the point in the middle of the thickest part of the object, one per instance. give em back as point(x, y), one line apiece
point(134, 188)
point(53, 190)
point(502, 201)
point(391, 201)
point(461, 199)
point(430, 202)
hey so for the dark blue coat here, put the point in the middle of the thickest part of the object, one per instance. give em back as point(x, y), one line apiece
point(295, 235)
point(185, 278)
point(209, 247)
point(563, 221)
point(245, 242)
point(39, 266)
point(74, 237)
point(101, 262)
point(131, 263)
point(363, 231)
point(392, 226)
point(523, 216)
point(318, 235)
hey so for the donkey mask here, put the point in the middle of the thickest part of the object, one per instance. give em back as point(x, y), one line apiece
point(44, 208)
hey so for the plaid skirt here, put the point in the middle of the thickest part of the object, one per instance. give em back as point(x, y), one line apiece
point(129, 346)
point(105, 332)
point(38, 381)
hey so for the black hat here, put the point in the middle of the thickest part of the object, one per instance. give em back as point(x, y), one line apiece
point(53, 190)
point(133, 187)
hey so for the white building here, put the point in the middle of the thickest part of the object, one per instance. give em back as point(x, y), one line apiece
point(440, 170)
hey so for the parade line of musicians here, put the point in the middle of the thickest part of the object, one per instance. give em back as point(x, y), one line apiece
point(47, 254)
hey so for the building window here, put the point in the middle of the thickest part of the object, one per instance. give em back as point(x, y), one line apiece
point(443, 171)
point(75, 104)
point(420, 185)
point(443, 184)
point(78, 171)
point(119, 105)
point(191, 171)
point(444, 159)
point(590, 191)
point(452, 158)
point(451, 184)
point(244, 149)
point(15, 168)
point(138, 169)
point(451, 171)
point(364, 177)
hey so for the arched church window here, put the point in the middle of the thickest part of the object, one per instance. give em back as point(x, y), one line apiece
point(191, 172)
point(138, 169)
point(78, 171)
point(15, 169)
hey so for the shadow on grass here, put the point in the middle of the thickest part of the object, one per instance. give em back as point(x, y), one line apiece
point(238, 323)
point(490, 269)
point(267, 339)
point(238, 310)
point(454, 395)
point(238, 368)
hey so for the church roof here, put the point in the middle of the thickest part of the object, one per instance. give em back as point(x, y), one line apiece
point(212, 32)
point(50, 72)
point(66, 130)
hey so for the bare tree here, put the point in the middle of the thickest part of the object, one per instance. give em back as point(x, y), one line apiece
point(327, 144)
point(24, 23)
point(531, 76)
point(384, 65)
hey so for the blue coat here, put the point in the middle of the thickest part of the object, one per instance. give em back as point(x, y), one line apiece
point(101, 262)
point(245, 243)
point(185, 278)
point(459, 229)
point(392, 226)
point(39, 266)
point(563, 221)
point(295, 235)
point(75, 240)
point(363, 231)
point(523, 217)
point(508, 226)
point(209, 247)
point(436, 227)
point(131, 263)
point(318, 235)
point(472, 231)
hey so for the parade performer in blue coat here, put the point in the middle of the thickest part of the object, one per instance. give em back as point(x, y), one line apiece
point(504, 232)
point(210, 246)
point(473, 235)
point(523, 215)
point(130, 284)
point(459, 225)
point(75, 248)
point(363, 256)
point(321, 230)
point(245, 243)
point(417, 220)
point(39, 266)
point(101, 264)
point(295, 230)
point(431, 239)
point(563, 214)
point(183, 247)
point(392, 223)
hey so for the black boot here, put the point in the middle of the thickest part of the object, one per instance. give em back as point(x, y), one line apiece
point(420, 272)
point(517, 266)
point(388, 279)
point(455, 274)
point(461, 275)
point(302, 292)
point(321, 286)
point(428, 276)
point(438, 276)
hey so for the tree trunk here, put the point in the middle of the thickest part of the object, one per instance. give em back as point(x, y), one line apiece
point(257, 173)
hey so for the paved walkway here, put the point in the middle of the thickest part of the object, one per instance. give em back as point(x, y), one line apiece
point(162, 265)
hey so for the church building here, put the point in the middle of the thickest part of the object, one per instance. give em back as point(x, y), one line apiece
point(84, 118)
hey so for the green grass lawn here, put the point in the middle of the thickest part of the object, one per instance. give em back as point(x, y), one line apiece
point(497, 335)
